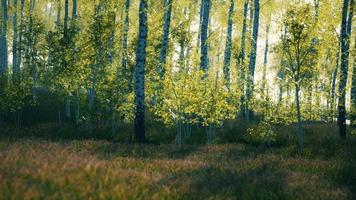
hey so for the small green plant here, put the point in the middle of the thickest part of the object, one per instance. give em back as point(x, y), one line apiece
point(353, 133)
point(263, 133)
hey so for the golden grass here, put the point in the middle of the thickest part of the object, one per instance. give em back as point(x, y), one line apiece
point(87, 169)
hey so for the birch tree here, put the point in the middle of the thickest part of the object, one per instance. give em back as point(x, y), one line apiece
point(15, 49)
point(204, 60)
point(345, 46)
point(139, 126)
point(299, 51)
point(227, 57)
point(165, 38)
point(3, 38)
point(241, 58)
point(253, 54)
point(124, 54)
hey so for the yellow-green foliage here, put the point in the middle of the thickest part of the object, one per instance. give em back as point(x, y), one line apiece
point(193, 98)
point(264, 133)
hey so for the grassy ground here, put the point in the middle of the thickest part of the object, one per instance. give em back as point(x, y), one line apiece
point(33, 168)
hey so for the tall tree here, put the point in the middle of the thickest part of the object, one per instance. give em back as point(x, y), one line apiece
point(299, 51)
point(227, 57)
point(74, 9)
point(66, 18)
point(32, 50)
point(165, 38)
point(15, 50)
point(253, 53)
point(67, 46)
point(20, 48)
point(140, 74)
point(204, 60)
point(353, 90)
point(345, 46)
point(125, 31)
point(3, 38)
point(59, 9)
point(265, 60)
point(334, 77)
point(241, 58)
point(200, 22)
point(74, 27)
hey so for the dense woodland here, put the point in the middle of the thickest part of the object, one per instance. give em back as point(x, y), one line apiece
point(178, 99)
point(182, 64)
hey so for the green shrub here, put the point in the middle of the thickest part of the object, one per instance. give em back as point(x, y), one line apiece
point(264, 133)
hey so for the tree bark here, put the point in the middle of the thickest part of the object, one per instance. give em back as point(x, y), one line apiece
point(299, 117)
point(353, 92)
point(253, 52)
point(165, 38)
point(66, 16)
point(59, 9)
point(333, 82)
point(15, 50)
point(20, 49)
point(200, 22)
point(3, 38)
point(74, 10)
point(66, 41)
point(265, 61)
point(241, 59)
point(139, 128)
point(124, 60)
point(345, 44)
point(204, 60)
point(353, 87)
point(33, 52)
point(227, 57)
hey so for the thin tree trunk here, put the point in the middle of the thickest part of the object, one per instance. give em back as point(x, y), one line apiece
point(59, 9)
point(91, 102)
point(227, 57)
point(310, 100)
point(66, 16)
point(33, 51)
point(204, 60)
point(317, 6)
point(15, 63)
point(165, 39)
point(200, 23)
point(20, 34)
point(74, 10)
point(353, 91)
point(3, 38)
point(77, 113)
point(345, 43)
point(299, 117)
point(265, 61)
point(253, 52)
point(241, 59)
point(66, 41)
point(333, 82)
point(140, 74)
point(92, 89)
point(74, 27)
point(125, 30)
point(280, 94)
point(182, 56)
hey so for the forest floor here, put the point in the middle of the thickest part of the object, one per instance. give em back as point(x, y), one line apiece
point(33, 168)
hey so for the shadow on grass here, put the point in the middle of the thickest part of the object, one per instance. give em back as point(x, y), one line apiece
point(263, 181)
